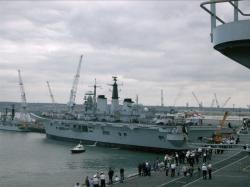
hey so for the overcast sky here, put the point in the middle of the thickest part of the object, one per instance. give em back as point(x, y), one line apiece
point(149, 45)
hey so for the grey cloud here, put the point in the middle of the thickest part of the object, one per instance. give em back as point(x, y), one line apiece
point(163, 44)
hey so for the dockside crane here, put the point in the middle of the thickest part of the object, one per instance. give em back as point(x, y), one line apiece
point(50, 93)
point(73, 90)
point(225, 103)
point(216, 100)
point(219, 135)
point(212, 103)
point(196, 99)
point(23, 114)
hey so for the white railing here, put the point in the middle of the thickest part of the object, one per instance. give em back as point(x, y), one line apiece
point(214, 17)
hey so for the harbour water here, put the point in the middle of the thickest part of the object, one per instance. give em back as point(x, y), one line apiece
point(31, 159)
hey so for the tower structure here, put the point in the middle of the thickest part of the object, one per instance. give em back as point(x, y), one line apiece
point(115, 98)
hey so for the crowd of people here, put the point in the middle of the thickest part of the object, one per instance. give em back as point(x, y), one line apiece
point(182, 163)
point(99, 179)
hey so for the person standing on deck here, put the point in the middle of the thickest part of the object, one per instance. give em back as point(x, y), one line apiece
point(102, 177)
point(199, 170)
point(87, 182)
point(204, 171)
point(167, 168)
point(184, 170)
point(111, 174)
point(95, 181)
point(165, 162)
point(91, 182)
point(121, 175)
point(205, 156)
point(173, 166)
point(176, 158)
point(140, 169)
point(209, 167)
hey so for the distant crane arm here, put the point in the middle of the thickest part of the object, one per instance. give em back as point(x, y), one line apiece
point(216, 100)
point(50, 93)
point(196, 99)
point(212, 104)
point(73, 90)
point(225, 103)
point(23, 95)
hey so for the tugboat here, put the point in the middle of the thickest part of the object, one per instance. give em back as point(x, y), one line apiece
point(78, 149)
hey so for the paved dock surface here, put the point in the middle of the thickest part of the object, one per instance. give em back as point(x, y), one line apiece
point(224, 167)
point(235, 174)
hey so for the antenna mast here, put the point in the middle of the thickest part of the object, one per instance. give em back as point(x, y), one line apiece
point(73, 90)
point(94, 95)
point(137, 100)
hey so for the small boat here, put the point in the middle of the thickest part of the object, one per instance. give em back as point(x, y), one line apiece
point(78, 149)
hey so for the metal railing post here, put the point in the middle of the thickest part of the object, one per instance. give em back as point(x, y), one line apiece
point(213, 18)
point(236, 12)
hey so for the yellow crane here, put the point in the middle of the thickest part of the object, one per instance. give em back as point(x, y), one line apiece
point(218, 134)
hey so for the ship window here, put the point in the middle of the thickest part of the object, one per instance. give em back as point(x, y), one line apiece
point(161, 137)
point(90, 129)
point(119, 133)
point(106, 132)
point(125, 134)
point(84, 129)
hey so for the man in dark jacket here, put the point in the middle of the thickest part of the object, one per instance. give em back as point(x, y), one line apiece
point(111, 174)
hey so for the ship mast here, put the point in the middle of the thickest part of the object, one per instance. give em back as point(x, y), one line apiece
point(94, 95)
point(115, 99)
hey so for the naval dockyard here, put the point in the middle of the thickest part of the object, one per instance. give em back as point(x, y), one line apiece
point(109, 141)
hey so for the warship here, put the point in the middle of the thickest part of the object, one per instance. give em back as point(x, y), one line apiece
point(115, 125)
point(10, 121)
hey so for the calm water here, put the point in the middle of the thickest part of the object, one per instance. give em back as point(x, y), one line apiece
point(32, 160)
